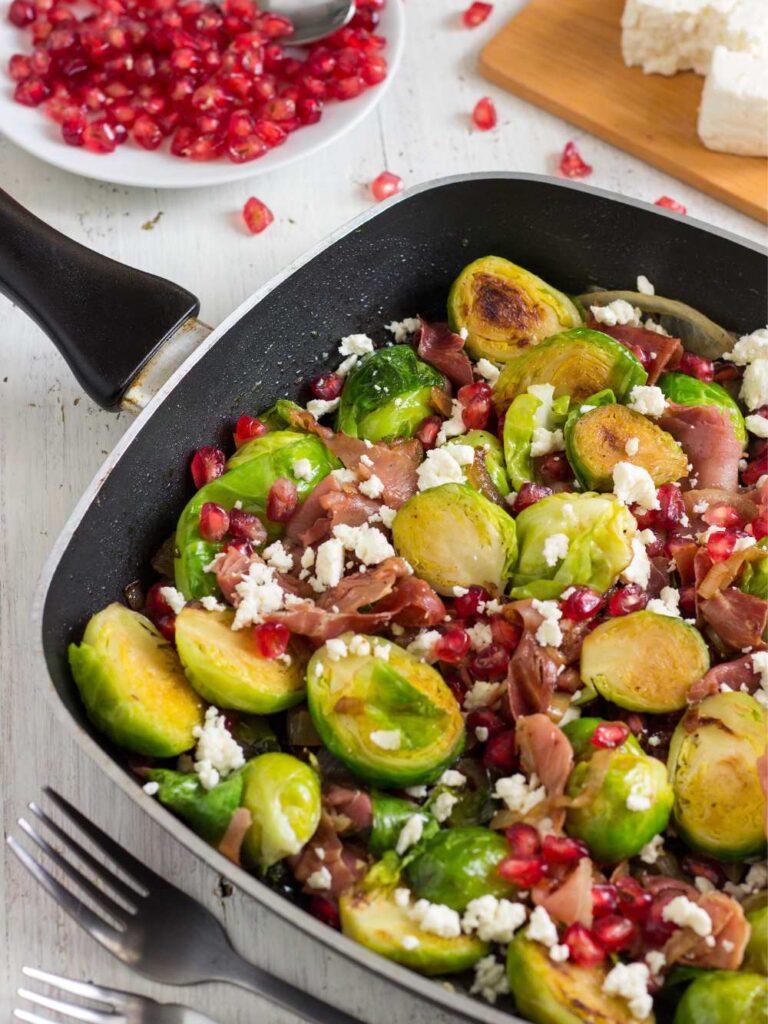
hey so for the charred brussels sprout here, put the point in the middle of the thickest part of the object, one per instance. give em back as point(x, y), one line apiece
point(493, 456)
point(625, 796)
point(133, 686)
point(577, 363)
point(599, 530)
point(720, 997)
point(644, 661)
point(206, 811)
point(756, 953)
point(535, 411)
point(224, 667)
point(455, 537)
point(283, 796)
point(390, 719)
point(387, 395)
point(682, 389)
point(390, 813)
point(719, 802)
point(373, 919)
point(458, 865)
point(549, 992)
point(250, 474)
point(506, 309)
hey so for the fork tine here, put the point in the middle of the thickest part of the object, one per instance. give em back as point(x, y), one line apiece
point(31, 1018)
point(82, 1013)
point(85, 989)
point(126, 861)
point(106, 874)
point(104, 901)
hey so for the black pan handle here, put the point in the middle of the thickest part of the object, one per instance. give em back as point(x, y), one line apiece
point(106, 319)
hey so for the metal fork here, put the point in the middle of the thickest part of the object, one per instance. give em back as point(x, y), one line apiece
point(160, 932)
point(121, 1007)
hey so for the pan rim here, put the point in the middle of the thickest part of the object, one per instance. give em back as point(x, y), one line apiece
point(454, 1002)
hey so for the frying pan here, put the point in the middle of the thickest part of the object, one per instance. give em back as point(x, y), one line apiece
point(123, 331)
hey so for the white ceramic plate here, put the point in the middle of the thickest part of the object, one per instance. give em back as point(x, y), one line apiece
point(30, 129)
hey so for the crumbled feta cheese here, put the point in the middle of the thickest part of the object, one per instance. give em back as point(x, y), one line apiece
point(481, 733)
point(630, 981)
point(320, 879)
point(387, 515)
point(464, 333)
point(542, 928)
point(308, 558)
point(749, 347)
point(453, 778)
point(639, 569)
point(302, 468)
point(687, 914)
point(355, 345)
point(259, 594)
point(423, 645)
point(760, 668)
point(656, 961)
point(410, 942)
point(320, 407)
point(276, 556)
point(644, 286)
point(344, 476)
point(520, 794)
point(387, 739)
point(490, 979)
point(549, 633)
point(632, 447)
point(382, 651)
point(151, 788)
point(402, 897)
point(756, 881)
point(652, 850)
point(436, 918)
point(402, 329)
point(336, 648)
point(617, 312)
point(360, 645)
point(633, 485)
point(556, 548)
point(570, 715)
point(174, 598)
point(209, 602)
point(368, 544)
point(444, 465)
point(742, 543)
point(329, 565)
point(651, 325)
point(443, 805)
point(484, 368)
point(454, 425)
point(372, 487)
point(480, 635)
point(559, 953)
point(411, 831)
point(480, 696)
point(217, 752)
point(638, 799)
point(757, 425)
point(647, 399)
point(544, 441)
point(494, 920)
point(668, 603)
point(754, 384)
point(417, 792)
point(703, 884)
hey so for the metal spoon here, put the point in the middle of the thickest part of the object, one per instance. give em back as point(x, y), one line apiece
point(313, 21)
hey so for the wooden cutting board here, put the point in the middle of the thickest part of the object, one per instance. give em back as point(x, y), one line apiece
point(565, 56)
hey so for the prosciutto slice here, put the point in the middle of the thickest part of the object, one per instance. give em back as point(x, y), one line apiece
point(730, 930)
point(571, 901)
point(733, 674)
point(350, 809)
point(444, 350)
point(738, 619)
point(545, 750)
point(660, 352)
point(531, 678)
point(344, 862)
point(707, 438)
point(362, 588)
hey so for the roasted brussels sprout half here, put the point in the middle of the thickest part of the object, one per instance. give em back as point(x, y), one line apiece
point(720, 997)
point(390, 814)
point(251, 472)
point(391, 720)
point(578, 363)
point(754, 576)
point(283, 796)
point(133, 686)
point(536, 409)
point(281, 415)
point(493, 457)
point(719, 802)
point(644, 661)
point(625, 796)
point(756, 953)
point(506, 309)
point(372, 918)
point(223, 666)
point(387, 394)
point(547, 991)
point(596, 440)
point(455, 537)
point(458, 865)
point(206, 811)
point(599, 530)
point(683, 389)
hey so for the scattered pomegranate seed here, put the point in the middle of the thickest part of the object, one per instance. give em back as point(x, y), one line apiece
point(671, 511)
point(554, 468)
point(688, 600)
point(282, 500)
point(257, 215)
point(697, 366)
point(466, 606)
point(759, 526)
point(631, 598)
point(670, 204)
point(490, 663)
point(582, 603)
point(571, 163)
point(605, 900)
point(655, 546)
point(166, 625)
point(676, 540)
point(325, 910)
point(720, 545)
point(452, 646)
point(155, 605)
point(327, 386)
point(529, 494)
point(582, 947)
point(246, 526)
point(634, 901)
point(428, 430)
point(524, 840)
point(248, 427)
point(207, 464)
point(485, 719)
point(614, 933)
point(657, 931)
point(521, 871)
point(562, 850)
point(758, 467)
point(505, 633)
point(476, 14)
point(475, 401)
point(723, 515)
point(609, 735)
point(484, 114)
point(271, 639)
point(499, 752)
point(386, 185)
point(214, 521)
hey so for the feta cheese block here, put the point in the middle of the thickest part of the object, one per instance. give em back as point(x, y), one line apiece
point(733, 117)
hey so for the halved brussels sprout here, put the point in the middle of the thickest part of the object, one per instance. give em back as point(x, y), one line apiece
point(721, 997)
point(506, 309)
point(206, 811)
point(133, 686)
point(387, 394)
point(596, 440)
point(683, 389)
point(547, 991)
point(599, 531)
point(458, 865)
point(756, 953)
point(578, 363)
point(281, 415)
point(494, 457)
point(224, 667)
point(626, 798)
point(393, 722)
point(754, 576)
point(644, 661)
point(455, 537)
point(283, 796)
point(719, 802)
point(373, 919)
point(390, 813)
point(525, 414)
point(250, 474)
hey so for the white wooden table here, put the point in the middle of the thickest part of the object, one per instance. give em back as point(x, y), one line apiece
point(52, 440)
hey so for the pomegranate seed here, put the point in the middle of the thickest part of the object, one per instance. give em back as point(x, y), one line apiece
point(605, 900)
point(166, 625)
point(327, 386)
point(720, 545)
point(476, 14)
point(697, 366)
point(671, 511)
point(325, 910)
point(609, 735)
point(499, 752)
point(21, 13)
point(466, 606)
point(484, 114)
point(348, 88)
point(100, 137)
point(670, 204)
point(562, 850)
point(374, 70)
point(257, 216)
point(155, 604)
point(529, 494)
point(723, 515)
point(759, 527)
point(555, 468)
point(31, 91)
point(634, 901)
point(72, 128)
point(614, 933)
point(282, 500)
point(246, 526)
point(571, 163)
point(309, 110)
point(521, 871)
point(657, 931)
point(631, 598)
point(758, 467)
point(524, 840)
point(676, 540)
point(386, 185)
point(452, 646)
point(271, 639)
point(490, 663)
point(582, 603)
point(427, 432)
point(475, 402)
point(247, 428)
point(214, 521)
point(19, 67)
point(207, 464)
point(505, 633)
point(485, 719)
point(582, 948)
point(688, 601)
point(147, 132)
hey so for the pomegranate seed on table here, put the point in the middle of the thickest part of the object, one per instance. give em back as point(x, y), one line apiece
point(500, 751)
point(572, 165)
point(282, 500)
point(583, 949)
point(386, 185)
point(609, 735)
point(246, 526)
point(624, 600)
point(490, 663)
point(271, 639)
point(697, 366)
point(670, 204)
point(485, 719)
point(605, 899)
point(257, 216)
point(427, 431)
point(524, 840)
point(562, 850)
point(214, 521)
point(476, 13)
point(207, 464)
point(484, 114)
point(634, 901)
point(529, 494)
point(582, 603)
point(452, 646)
point(466, 606)
point(614, 933)
point(246, 428)
point(521, 871)
point(327, 386)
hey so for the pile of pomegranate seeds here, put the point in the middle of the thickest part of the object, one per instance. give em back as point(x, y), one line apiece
point(218, 81)
point(572, 164)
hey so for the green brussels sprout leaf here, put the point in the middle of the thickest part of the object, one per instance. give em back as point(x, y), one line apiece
point(493, 457)
point(206, 811)
point(536, 409)
point(390, 813)
point(458, 865)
